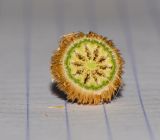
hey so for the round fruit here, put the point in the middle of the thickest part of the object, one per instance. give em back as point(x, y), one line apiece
point(87, 67)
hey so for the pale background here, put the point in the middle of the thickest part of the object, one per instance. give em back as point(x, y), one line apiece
point(29, 33)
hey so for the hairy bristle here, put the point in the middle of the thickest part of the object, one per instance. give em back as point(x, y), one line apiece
point(90, 65)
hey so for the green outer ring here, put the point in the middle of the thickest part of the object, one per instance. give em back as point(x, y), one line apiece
point(104, 83)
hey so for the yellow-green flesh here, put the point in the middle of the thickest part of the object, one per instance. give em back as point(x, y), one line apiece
point(90, 64)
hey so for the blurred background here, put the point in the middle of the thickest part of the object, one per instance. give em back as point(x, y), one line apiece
point(29, 33)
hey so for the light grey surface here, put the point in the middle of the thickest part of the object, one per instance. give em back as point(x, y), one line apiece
point(29, 33)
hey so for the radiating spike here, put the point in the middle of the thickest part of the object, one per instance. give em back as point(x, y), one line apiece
point(95, 53)
point(79, 72)
point(102, 59)
point(104, 67)
point(87, 78)
point(77, 63)
point(88, 52)
point(99, 73)
point(94, 77)
point(79, 56)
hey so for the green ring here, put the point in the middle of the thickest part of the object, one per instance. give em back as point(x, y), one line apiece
point(93, 41)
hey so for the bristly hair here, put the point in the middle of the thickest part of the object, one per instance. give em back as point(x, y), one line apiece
point(75, 92)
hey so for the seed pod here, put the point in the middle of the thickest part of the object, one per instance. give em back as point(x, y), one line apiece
point(87, 67)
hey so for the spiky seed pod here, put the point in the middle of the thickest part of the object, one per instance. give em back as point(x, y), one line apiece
point(87, 67)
